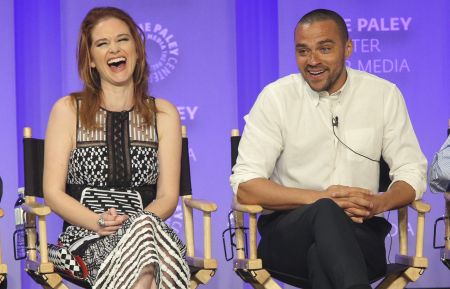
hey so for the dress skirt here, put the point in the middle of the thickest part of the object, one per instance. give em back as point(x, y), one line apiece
point(115, 261)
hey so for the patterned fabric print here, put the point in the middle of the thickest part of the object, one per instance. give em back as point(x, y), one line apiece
point(65, 262)
point(147, 241)
point(89, 166)
point(125, 202)
point(95, 252)
point(144, 165)
point(74, 236)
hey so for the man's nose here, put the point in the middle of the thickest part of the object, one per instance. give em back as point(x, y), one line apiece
point(313, 59)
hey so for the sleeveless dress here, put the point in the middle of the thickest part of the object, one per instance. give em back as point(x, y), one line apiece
point(116, 166)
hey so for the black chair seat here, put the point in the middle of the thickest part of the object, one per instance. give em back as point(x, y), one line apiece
point(289, 279)
point(78, 282)
point(4, 284)
point(304, 283)
point(40, 279)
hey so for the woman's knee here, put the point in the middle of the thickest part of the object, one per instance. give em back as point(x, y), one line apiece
point(148, 270)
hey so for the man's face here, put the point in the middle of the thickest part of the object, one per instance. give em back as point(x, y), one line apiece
point(321, 53)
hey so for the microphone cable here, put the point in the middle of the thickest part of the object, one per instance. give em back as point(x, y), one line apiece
point(335, 123)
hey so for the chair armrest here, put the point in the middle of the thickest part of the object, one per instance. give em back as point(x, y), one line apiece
point(420, 207)
point(447, 196)
point(201, 205)
point(37, 209)
point(207, 208)
point(250, 209)
point(417, 260)
point(1, 213)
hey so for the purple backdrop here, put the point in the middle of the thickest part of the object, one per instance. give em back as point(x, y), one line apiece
point(8, 147)
point(211, 59)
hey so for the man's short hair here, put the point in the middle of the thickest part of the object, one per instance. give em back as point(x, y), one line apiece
point(325, 14)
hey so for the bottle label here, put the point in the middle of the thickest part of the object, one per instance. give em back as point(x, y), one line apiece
point(18, 213)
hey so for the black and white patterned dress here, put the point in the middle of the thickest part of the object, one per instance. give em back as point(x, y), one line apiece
point(116, 166)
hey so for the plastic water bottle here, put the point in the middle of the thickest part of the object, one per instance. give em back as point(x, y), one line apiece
point(19, 234)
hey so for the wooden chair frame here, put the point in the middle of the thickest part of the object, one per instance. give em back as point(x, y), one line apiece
point(252, 271)
point(42, 271)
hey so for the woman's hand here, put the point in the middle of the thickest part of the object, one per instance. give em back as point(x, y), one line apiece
point(111, 222)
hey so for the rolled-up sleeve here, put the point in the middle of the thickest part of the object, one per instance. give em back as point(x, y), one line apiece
point(439, 171)
point(401, 149)
point(261, 142)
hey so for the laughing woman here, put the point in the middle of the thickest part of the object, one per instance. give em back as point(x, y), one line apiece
point(112, 164)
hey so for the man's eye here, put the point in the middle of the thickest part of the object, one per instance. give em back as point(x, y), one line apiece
point(325, 50)
point(302, 52)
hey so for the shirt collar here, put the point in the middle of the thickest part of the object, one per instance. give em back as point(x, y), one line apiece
point(316, 96)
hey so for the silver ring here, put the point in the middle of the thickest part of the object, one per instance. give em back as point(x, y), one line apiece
point(101, 221)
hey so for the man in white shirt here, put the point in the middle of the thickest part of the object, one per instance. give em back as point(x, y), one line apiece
point(310, 153)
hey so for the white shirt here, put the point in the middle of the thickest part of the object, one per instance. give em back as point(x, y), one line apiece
point(288, 136)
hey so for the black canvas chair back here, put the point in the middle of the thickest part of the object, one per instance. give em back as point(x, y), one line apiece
point(33, 156)
point(185, 173)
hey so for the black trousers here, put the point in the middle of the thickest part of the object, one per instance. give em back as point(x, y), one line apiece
point(319, 243)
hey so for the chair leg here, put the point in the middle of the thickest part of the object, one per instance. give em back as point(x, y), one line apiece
point(48, 280)
point(271, 284)
point(55, 281)
point(399, 281)
point(201, 277)
point(193, 284)
point(258, 279)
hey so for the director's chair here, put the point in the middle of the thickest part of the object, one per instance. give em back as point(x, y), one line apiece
point(407, 268)
point(3, 267)
point(43, 272)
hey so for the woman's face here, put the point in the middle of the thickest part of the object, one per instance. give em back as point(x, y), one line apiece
point(113, 52)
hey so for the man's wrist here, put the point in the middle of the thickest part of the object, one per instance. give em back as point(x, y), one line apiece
point(380, 204)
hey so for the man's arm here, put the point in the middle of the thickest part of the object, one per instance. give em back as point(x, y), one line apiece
point(401, 150)
point(273, 196)
point(398, 195)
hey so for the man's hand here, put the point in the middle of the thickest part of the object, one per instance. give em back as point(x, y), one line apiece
point(358, 203)
point(112, 222)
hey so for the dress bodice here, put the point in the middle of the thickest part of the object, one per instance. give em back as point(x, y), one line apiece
point(120, 152)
